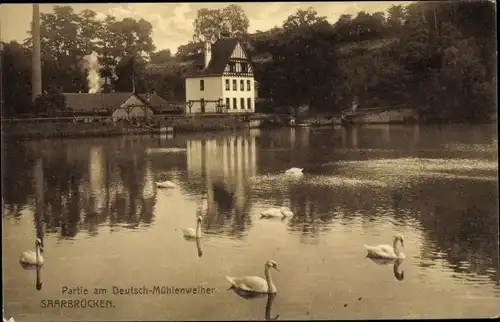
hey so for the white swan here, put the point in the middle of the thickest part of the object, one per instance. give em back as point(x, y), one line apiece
point(256, 284)
point(190, 232)
point(294, 170)
point(286, 212)
point(276, 212)
point(32, 258)
point(166, 184)
point(387, 251)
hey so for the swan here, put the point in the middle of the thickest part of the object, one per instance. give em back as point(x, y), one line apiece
point(166, 184)
point(387, 251)
point(31, 258)
point(256, 284)
point(277, 212)
point(190, 232)
point(294, 170)
point(271, 212)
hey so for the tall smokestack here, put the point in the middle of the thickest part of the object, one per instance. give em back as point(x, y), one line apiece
point(36, 77)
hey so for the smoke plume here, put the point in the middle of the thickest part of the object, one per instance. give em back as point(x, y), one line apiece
point(93, 77)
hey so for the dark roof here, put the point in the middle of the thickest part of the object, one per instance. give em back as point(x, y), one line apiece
point(221, 52)
point(190, 49)
point(191, 63)
point(155, 101)
point(87, 102)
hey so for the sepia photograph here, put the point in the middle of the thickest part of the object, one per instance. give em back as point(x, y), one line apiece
point(249, 161)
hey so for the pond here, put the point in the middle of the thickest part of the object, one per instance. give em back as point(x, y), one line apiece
point(107, 227)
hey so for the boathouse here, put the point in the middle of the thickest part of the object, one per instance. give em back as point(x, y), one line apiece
point(219, 78)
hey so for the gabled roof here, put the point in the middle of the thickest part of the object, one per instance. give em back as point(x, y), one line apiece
point(221, 52)
point(153, 100)
point(87, 102)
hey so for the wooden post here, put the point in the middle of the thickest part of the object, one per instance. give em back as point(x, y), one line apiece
point(189, 105)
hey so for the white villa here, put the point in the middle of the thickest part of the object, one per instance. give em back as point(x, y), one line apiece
point(222, 79)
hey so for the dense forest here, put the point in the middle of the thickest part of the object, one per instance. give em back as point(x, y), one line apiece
point(439, 57)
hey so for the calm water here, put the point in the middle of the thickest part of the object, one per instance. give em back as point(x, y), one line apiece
point(106, 223)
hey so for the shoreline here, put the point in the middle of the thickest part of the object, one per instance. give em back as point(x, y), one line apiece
point(45, 130)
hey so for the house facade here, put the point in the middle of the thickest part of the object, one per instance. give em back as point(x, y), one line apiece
point(221, 80)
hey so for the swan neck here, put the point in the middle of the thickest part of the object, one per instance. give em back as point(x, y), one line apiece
point(395, 246)
point(268, 278)
point(37, 251)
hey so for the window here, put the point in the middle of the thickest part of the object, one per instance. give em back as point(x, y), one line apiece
point(249, 103)
point(228, 102)
point(202, 85)
point(242, 85)
point(227, 85)
point(248, 85)
point(235, 88)
point(242, 100)
point(235, 103)
point(202, 105)
point(232, 67)
point(244, 68)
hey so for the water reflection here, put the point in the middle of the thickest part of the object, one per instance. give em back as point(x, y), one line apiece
point(38, 284)
point(438, 187)
point(74, 190)
point(253, 296)
point(198, 247)
point(398, 272)
point(269, 305)
point(224, 165)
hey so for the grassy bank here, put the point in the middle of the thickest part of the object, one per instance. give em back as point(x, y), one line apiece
point(33, 129)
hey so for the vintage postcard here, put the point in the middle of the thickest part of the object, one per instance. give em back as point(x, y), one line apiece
point(249, 161)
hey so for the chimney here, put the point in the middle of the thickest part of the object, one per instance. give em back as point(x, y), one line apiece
point(207, 53)
point(36, 56)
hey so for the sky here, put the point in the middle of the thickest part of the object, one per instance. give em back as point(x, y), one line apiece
point(173, 22)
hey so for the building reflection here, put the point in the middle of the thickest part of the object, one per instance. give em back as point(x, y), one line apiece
point(96, 177)
point(225, 165)
point(82, 190)
point(349, 136)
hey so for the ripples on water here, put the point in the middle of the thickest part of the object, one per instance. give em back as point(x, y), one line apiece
point(105, 219)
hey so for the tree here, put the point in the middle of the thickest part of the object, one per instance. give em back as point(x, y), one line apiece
point(161, 57)
point(343, 27)
point(89, 28)
point(304, 58)
point(211, 24)
point(303, 18)
point(235, 21)
point(16, 79)
point(62, 49)
point(50, 103)
point(396, 17)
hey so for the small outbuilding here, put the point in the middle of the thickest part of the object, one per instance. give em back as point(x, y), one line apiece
point(116, 105)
